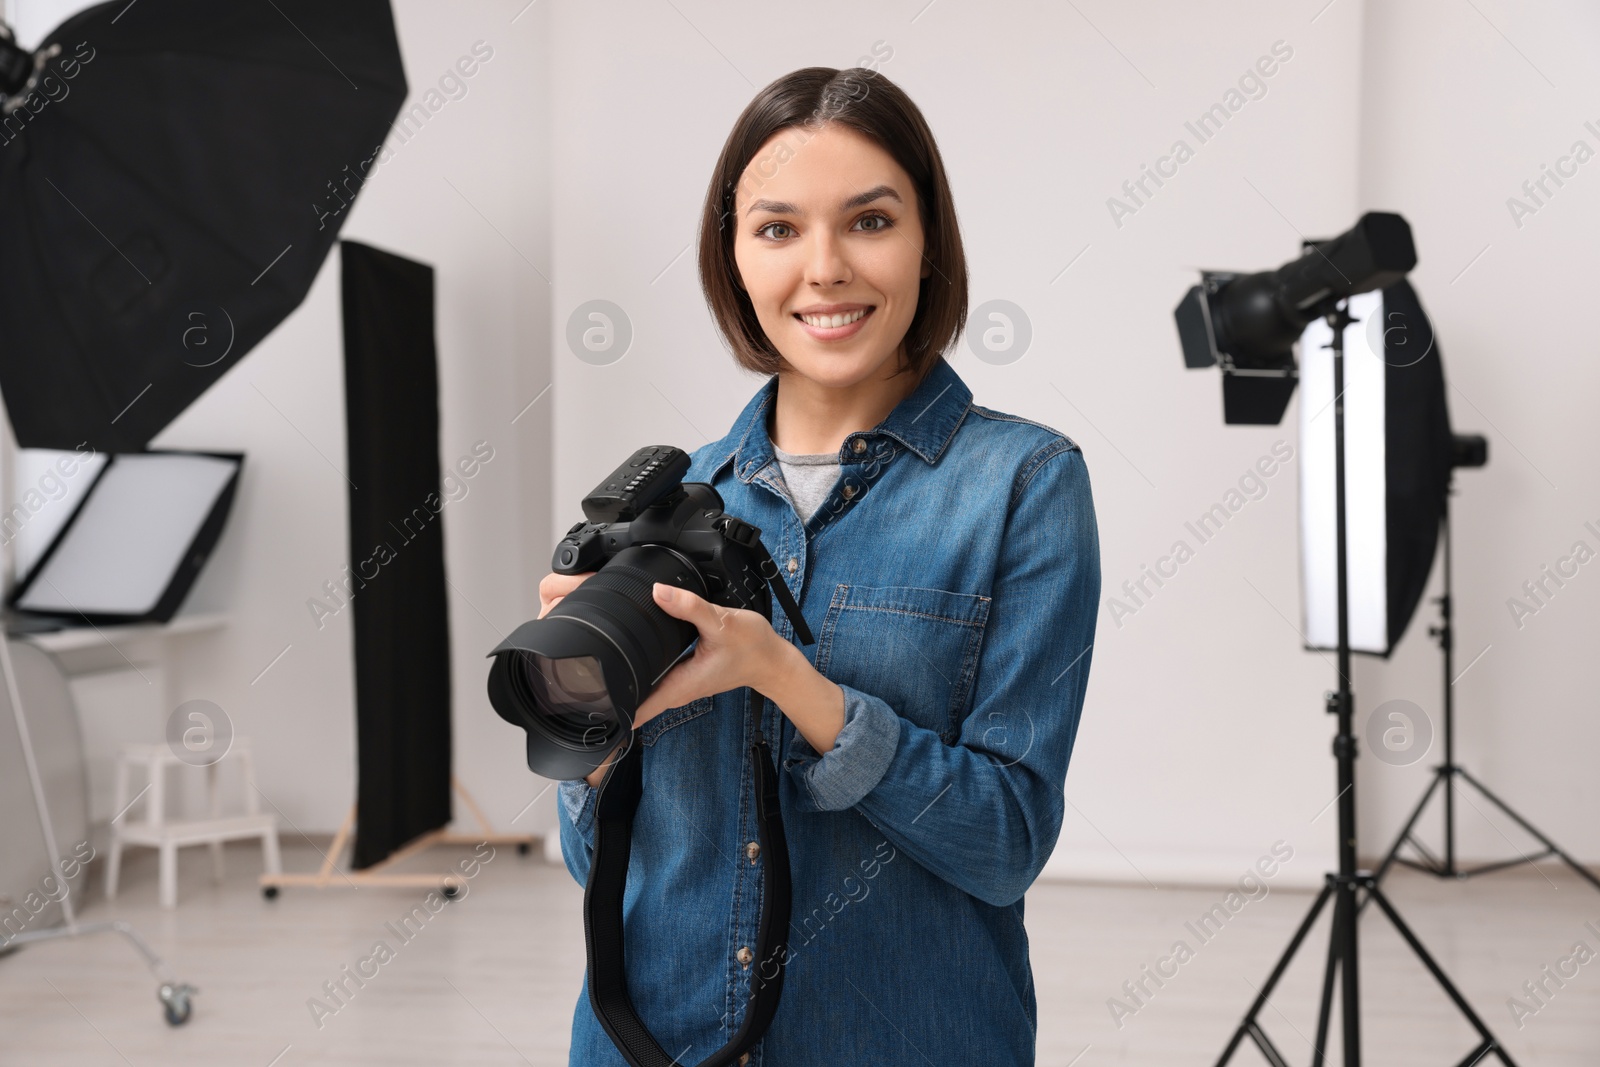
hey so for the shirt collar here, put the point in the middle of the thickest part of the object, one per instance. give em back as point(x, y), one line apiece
point(923, 422)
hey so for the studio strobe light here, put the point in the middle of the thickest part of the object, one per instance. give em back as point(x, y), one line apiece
point(1249, 324)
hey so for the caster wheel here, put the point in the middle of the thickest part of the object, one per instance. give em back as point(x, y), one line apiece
point(270, 892)
point(177, 1003)
point(450, 891)
point(523, 848)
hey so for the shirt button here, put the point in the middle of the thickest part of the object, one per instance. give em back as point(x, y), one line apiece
point(753, 849)
point(793, 565)
point(860, 445)
point(745, 956)
point(849, 491)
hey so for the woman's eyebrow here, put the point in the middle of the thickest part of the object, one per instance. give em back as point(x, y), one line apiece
point(783, 207)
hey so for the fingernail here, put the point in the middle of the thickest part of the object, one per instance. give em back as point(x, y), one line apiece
point(664, 592)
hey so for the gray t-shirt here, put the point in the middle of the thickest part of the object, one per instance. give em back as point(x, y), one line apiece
point(809, 478)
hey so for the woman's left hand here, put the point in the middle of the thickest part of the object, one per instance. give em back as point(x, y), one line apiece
point(738, 647)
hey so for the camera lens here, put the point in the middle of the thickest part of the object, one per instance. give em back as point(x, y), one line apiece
point(574, 678)
point(570, 694)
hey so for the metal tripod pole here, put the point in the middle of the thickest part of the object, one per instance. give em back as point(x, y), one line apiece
point(1344, 746)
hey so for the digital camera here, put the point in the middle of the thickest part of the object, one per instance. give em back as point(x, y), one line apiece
point(574, 678)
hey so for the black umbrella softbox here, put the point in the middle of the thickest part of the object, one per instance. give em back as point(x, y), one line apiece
point(169, 187)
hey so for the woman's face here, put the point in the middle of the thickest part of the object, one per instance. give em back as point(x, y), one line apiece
point(828, 231)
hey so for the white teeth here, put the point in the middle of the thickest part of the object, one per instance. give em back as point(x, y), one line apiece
point(833, 322)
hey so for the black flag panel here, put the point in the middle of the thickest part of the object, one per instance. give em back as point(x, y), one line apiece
point(397, 582)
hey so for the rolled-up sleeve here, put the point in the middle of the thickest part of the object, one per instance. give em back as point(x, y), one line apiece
point(984, 812)
point(575, 821)
point(860, 755)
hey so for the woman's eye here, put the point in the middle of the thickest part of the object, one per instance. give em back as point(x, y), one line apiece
point(883, 222)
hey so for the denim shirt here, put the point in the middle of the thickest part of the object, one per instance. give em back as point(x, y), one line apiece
point(951, 581)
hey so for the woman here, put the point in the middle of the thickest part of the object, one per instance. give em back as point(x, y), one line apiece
point(946, 559)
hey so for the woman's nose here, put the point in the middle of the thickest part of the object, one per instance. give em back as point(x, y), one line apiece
point(826, 262)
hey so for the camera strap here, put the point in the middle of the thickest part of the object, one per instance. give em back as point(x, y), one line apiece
point(603, 896)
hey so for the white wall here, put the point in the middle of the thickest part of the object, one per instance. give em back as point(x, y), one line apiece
point(587, 142)
point(1459, 109)
point(1203, 740)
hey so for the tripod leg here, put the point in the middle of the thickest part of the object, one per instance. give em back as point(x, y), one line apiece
point(1430, 863)
point(1265, 1046)
point(1249, 1024)
point(1501, 865)
point(1319, 1055)
point(1489, 1041)
point(1405, 832)
point(1345, 913)
point(1583, 872)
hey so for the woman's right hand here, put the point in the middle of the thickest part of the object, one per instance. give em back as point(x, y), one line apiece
point(553, 588)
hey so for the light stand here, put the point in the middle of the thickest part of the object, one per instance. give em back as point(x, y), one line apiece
point(1446, 773)
point(1344, 886)
point(176, 997)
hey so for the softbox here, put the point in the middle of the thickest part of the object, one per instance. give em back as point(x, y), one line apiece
point(136, 542)
point(1397, 468)
point(402, 634)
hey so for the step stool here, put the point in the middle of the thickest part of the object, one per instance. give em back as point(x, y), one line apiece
point(158, 832)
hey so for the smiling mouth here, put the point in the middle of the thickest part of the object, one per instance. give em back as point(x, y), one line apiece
point(834, 322)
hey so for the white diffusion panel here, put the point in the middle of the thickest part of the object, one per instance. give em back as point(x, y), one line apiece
point(1365, 485)
point(49, 484)
point(124, 547)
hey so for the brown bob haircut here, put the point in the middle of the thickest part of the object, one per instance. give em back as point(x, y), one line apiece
point(872, 105)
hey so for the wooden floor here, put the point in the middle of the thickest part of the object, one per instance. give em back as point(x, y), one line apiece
point(491, 979)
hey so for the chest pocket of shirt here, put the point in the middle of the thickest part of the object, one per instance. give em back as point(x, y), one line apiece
point(914, 648)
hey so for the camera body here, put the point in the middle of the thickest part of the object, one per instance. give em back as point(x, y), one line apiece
point(574, 678)
point(642, 503)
